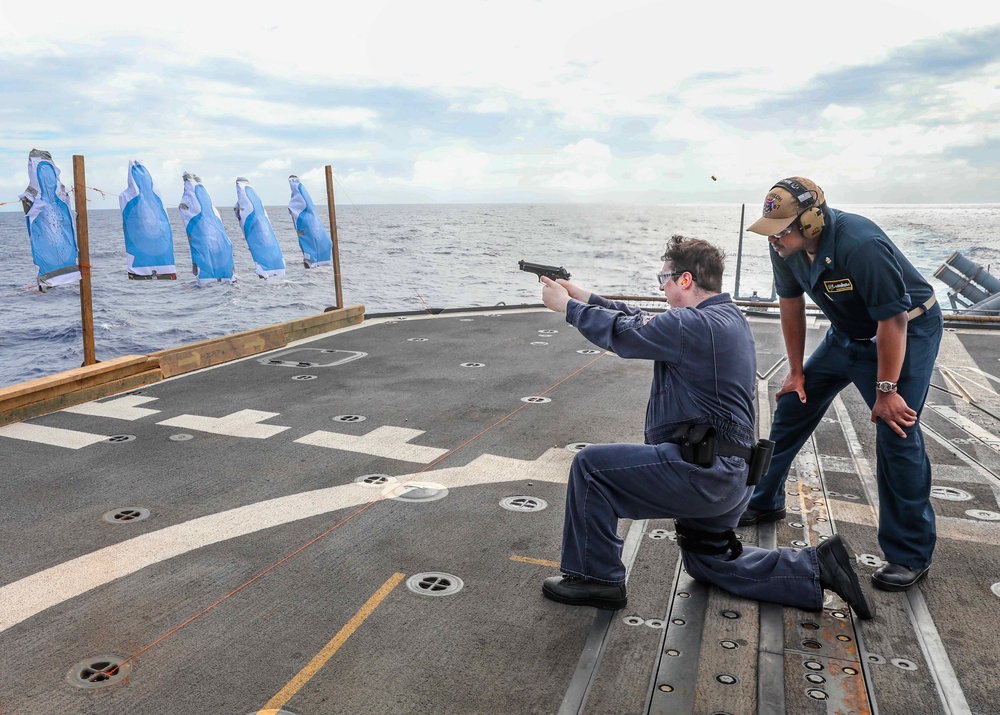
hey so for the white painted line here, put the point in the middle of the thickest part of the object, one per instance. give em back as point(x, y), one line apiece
point(70, 439)
point(389, 442)
point(33, 594)
point(244, 423)
point(984, 436)
point(122, 408)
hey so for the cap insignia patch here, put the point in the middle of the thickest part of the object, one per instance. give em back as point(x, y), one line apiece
point(772, 203)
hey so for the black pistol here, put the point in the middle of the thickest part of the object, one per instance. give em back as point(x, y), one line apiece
point(539, 269)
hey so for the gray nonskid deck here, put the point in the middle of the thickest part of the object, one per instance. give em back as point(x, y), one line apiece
point(426, 386)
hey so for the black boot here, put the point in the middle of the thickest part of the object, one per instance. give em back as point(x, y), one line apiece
point(836, 574)
point(893, 577)
point(580, 592)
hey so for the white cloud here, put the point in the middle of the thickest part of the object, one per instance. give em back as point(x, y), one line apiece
point(450, 167)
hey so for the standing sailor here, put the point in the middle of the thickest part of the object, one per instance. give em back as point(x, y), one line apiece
point(884, 337)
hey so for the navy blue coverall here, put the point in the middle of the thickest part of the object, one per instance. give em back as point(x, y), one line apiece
point(704, 372)
point(857, 278)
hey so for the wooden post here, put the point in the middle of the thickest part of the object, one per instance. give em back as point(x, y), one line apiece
point(83, 260)
point(333, 235)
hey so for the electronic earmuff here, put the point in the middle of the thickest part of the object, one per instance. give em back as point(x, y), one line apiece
point(810, 219)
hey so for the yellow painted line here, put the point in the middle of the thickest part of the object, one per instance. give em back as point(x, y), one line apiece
point(539, 562)
point(295, 684)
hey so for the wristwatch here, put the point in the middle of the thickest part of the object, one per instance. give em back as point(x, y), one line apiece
point(886, 386)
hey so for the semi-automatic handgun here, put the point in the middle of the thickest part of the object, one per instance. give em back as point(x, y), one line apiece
point(539, 269)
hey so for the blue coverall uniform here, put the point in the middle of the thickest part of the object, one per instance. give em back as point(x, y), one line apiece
point(857, 278)
point(704, 372)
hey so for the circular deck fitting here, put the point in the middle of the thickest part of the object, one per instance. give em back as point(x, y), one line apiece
point(796, 524)
point(983, 514)
point(418, 492)
point(815, 678)
point(523, 503)
point(838, 614)
point(655, 623)
point(375, 480)
point(672, 652)
point(727, 679)
point(685, 594)
point(794, 508)
point(813, 665)
point(850, 496)
point(577, 446)
point(904, 664)
point(535, 399)
point(950, 494)
point(547, 332)
point(810, 625)
point(874, 658)
point(99, 671)
point(539, 343)
point(181, 437)
point(588, 352)
point(820, 518)
point(126, 515)
point(844, 639)
point(665, 688)
point(473, 364)
point(850, 671)
point(678, 621)
point(466, 320)
point(304, 377)
point(731, 614)
point(729, 645)
point(115, 439)
point(349, 418)
point(832, 493)
point(995, 588)
point(633, 621)
point(416, 340)
point(817, 694)
point(434, 583)
point(870, 560)
point(811, 644)
point(661, 534)
point(800, 543)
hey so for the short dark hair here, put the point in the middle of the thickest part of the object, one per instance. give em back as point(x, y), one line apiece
point(705, 262)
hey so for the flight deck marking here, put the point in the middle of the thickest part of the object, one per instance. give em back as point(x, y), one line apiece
point(55, 436)
point(122, 408)
point(320, 659)
point(33, 594)
point(537, 562)
point(984, 436)
point(244, 423)
point(389, 442)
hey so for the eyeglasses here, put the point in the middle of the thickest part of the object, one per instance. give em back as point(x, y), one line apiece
point(664, 277)
point(782, 234)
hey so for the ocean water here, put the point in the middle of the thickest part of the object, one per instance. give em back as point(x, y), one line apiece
point(410, 257)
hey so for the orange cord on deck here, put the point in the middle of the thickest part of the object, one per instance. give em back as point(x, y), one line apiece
point(351, 516)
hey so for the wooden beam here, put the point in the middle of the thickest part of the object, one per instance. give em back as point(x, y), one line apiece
point(177, 361)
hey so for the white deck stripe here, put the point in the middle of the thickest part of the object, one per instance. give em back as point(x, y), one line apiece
point(388, 442)
point(33, 594)
point(123, 408)
point(244, 423)
point(55, 436)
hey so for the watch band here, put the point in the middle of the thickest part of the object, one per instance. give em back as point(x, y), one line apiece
point(885, 386)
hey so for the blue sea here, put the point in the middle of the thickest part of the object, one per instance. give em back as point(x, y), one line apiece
point(410, 257)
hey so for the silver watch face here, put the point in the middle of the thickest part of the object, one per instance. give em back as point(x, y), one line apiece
point(885, 386)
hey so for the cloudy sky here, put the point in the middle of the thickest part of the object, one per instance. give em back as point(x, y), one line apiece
point(509, 100)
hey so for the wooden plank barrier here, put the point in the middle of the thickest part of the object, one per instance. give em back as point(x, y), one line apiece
point(73, 387)
point(83, 384)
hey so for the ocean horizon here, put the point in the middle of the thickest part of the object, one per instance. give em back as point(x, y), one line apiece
point(411, 257)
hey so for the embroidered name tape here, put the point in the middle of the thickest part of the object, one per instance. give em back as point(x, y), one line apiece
point(838, 286)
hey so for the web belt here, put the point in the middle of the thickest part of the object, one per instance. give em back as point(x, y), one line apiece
point(922, 308)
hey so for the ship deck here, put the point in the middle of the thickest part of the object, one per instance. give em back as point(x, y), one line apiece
point(360, 522)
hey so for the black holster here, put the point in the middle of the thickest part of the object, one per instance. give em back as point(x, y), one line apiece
point(697, 444)
point(760, 460)
point(697, 542)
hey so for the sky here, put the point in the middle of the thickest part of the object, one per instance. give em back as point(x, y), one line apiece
point(490, 101)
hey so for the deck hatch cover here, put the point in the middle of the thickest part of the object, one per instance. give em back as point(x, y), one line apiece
point(312, 357)
point(434, 583)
